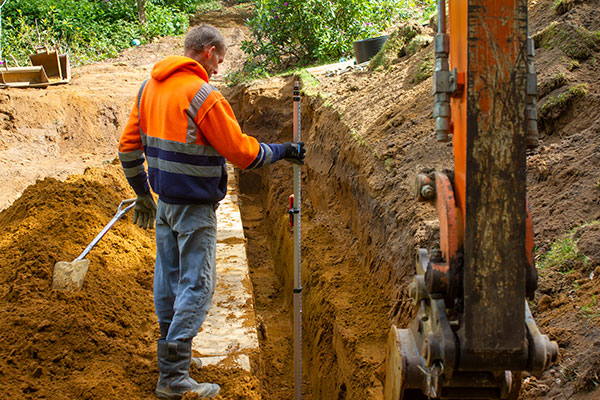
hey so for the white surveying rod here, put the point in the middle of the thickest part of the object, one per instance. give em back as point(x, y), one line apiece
point(297, 259)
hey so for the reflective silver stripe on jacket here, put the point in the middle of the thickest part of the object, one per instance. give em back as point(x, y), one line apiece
point(192, 111)
point(184, 169)
point(133, 171)
point(267, 154)
point(265, 157)
point(131, 156)
point(171, 145)
point(139, 100)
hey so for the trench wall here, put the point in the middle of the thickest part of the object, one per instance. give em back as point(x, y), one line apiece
point(359, 224)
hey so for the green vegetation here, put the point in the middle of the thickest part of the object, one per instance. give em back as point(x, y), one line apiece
point(360, 140)
point(575, 41)
point(405, 40)
point(309, 82)
point(571, 64)
point(388, 164)
point(301, 32)
point(556, 81)
point(564, 255)
point(591, 309)
point(89, 30)
point(424, 70)
point(556, 106)
point(562, 6)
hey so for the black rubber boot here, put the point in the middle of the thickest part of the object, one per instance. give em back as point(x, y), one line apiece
point(174, 359)
point(164, 331)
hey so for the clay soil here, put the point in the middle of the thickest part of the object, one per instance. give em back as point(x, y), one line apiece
point(368, 134)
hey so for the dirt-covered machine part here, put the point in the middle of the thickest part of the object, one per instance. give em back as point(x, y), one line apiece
point(473, 333)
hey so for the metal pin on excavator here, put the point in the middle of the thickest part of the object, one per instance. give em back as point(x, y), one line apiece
point(473, 333)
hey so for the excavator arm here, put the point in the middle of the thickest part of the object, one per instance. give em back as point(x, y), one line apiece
point(473, 333)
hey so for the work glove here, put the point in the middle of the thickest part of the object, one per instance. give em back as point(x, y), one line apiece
point(295, 152)
point(144, 211)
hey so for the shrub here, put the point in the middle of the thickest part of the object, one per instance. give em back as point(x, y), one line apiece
point(299, 32)
point(187, 6)
point(90, 30)
point(163, 21)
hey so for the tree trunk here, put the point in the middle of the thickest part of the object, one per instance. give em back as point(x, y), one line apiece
point(142, 11)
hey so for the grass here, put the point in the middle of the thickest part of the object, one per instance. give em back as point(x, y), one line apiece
point(406, 40)
point(555, 82)
point(309, 82)
point(250, 75)
point(388, 164)
point(591, 309)
point(557, 105)
point(575, 41)
point(361, 141)
point(564, 255)
point(562, 6)
point(424, 70)
point(572, 64)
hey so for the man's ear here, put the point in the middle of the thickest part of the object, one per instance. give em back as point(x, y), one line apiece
point(210, 51)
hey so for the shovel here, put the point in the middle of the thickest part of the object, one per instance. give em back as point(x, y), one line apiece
point(69, 275)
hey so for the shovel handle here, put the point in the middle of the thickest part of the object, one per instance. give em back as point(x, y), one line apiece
point(120, 212)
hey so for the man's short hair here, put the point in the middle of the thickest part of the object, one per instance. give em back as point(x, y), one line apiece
point(204, 35)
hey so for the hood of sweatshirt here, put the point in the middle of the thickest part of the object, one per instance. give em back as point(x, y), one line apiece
point(172, 64)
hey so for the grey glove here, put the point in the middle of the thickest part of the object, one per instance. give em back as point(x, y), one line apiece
point(295, 152)
point(144, 211)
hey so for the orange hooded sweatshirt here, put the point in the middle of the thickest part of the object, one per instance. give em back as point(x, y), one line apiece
point(186, 129)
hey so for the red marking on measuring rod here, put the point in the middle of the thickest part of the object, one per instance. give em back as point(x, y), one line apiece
point(292, 210)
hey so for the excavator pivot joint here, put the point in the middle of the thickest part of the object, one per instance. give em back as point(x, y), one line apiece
point(424, 188)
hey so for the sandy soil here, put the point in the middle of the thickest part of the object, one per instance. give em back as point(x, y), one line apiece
point(99, 343)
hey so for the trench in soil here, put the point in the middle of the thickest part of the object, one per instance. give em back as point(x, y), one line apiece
point(345, 307)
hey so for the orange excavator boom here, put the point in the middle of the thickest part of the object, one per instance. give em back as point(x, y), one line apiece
point(473, 333)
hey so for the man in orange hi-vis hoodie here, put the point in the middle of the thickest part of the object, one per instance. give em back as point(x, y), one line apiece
point(185, 130)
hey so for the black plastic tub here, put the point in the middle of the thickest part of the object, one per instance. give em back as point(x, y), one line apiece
point(366, 49)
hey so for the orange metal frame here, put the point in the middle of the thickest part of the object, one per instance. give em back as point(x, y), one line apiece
point(458, 31)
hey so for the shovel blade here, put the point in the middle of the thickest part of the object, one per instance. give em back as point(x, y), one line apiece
point(69, 275)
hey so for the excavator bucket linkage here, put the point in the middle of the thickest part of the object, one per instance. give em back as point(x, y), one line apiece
point(473, 333)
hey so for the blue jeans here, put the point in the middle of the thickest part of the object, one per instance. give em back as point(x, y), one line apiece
point(185, 272)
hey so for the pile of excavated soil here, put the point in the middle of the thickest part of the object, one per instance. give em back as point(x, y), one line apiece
point(98, 342)
point(95, 343)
